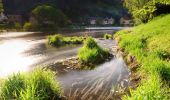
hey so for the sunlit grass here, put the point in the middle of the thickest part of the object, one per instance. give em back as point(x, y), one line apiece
point(59, 40)
point(37, 85)
point(91, 53)
point(150, 44)
point(108, 36)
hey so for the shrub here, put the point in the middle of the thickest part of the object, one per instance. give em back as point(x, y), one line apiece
point(91, 53)
point(28, 26)
point(38, 85)
point(18, 26)
point(108, 36)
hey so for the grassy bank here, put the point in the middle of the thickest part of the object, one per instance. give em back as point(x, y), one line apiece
point(37, 85)
point(59, 40)
point(149, 46)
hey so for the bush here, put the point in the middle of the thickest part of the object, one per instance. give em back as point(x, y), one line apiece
point(58, 40)
point(91, 53)
point(108, 36)
point(18, 26)
point(38, 85)
point(28, 26)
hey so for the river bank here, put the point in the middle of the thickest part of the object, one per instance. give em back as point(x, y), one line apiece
point(147, 51)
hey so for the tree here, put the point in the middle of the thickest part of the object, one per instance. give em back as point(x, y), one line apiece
point(1, 6)
point(49, 17)
point(145, 10)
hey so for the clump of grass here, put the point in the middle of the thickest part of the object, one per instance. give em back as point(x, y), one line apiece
point(59, 40)
point(12, 87)
point(150, 44)
point(55, 40)
point(149, 90)
point(38, 85)
point(108, 36)
point(91, 53)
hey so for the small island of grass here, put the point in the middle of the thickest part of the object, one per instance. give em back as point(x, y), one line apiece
point(92, 54)
point(59, 40)
point(89, 56)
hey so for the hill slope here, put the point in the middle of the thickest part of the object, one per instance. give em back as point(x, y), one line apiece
point(150, 45)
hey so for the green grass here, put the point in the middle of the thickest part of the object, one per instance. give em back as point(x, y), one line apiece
point(150, 44)
point(37, 85)
point(91, 53)
point(59, 40)
point(108, 36)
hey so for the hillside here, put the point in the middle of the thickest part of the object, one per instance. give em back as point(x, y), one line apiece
point(148, 46)
point(74, 9)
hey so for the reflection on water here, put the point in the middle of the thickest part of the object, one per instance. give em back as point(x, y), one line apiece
point(21, 50)
point(20, 55)
point(11, 58)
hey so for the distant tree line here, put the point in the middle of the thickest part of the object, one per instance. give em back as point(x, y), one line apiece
point(74, 9)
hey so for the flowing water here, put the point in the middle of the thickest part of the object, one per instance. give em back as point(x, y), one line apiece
point(22, 51)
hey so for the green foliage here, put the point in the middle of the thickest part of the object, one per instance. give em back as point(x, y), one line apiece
point(91, 53)
point(12, 87)
point(49, 17)
point(28, 26)
point(59, 40)
point(150, 90)
point(18, 26)
point(108, 36)
point(55, 40)
point(7, 27)
point(149, 43)
point(38, 85)
point(90, 43)
point(1, 6)
point(144, 10)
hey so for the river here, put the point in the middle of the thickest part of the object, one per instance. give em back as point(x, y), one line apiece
point(23, 51)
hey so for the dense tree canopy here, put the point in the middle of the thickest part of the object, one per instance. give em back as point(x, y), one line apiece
point(144, 10)
point(49, 16)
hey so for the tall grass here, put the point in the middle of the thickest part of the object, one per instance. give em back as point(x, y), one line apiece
point(38, 85)
point(91, 53)
point(150, 44)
